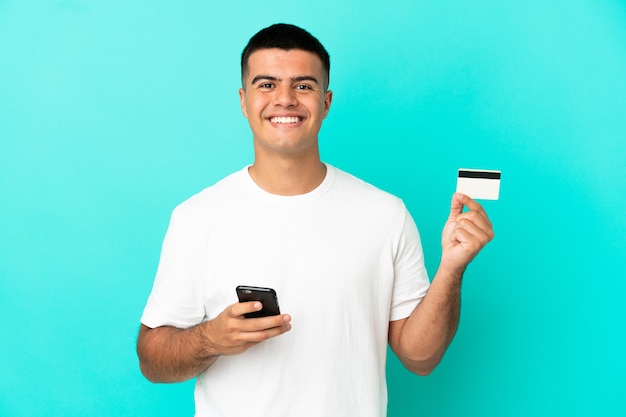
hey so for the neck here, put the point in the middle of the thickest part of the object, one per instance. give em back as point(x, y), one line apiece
point(288, 176)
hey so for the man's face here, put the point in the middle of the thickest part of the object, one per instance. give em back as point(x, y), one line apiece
point(285, 100)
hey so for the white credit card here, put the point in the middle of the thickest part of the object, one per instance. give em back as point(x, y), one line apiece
point(479, 184)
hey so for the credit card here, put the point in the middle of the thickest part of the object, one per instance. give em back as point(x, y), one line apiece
point(480, 184)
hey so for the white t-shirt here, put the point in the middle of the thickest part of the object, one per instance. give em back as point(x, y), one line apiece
point(344, 259)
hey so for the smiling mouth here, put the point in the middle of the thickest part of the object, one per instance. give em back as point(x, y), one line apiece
point(285, 119)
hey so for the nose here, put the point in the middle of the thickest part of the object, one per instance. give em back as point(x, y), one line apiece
point(285, 96)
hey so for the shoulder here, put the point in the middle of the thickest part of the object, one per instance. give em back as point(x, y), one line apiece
point(213, 197)
point(362, 192)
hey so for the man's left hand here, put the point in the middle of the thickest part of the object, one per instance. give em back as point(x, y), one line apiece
point(464, 234)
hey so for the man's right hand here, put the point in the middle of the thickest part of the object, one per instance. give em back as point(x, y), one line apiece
point(170, 354)
point(230, 333)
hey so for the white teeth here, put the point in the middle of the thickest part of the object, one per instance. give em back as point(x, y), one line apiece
point(285, 119)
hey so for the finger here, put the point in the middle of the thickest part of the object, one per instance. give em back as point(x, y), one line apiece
point(261, 335)
point(470, 203)
point(256, 329)
point(239, 309)
point(468, 231)
point(456, 207)
point(264, 323)
point(474, 207)
point(477, 218)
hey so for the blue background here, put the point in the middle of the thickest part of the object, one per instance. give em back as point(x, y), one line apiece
point(112, 112)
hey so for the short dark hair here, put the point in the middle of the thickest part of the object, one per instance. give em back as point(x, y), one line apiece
point(284, 36)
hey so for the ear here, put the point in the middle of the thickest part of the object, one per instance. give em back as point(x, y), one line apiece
point(242, 102)
point(328, 98)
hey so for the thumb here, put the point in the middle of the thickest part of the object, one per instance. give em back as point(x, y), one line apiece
point(456, 207)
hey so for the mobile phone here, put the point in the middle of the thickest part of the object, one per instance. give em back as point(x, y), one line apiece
point(267, 297)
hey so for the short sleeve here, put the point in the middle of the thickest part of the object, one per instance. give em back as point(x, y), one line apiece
point(410, 275)
point(175, 299)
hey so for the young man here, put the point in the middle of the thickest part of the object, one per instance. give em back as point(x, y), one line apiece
point(344, 257)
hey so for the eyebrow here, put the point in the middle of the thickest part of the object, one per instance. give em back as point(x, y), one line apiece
point(292, 79)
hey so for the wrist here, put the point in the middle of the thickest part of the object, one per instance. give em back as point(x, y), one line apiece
point(451, 273)
point(207, 347)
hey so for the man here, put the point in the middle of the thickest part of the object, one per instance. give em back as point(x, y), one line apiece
point(344, 257)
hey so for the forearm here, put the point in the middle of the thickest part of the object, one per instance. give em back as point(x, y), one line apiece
point(421, 339)
point(169, 354)
point(428, 331)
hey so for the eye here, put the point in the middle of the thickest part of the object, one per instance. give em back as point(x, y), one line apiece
point(266, 85)
point(303, 87)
